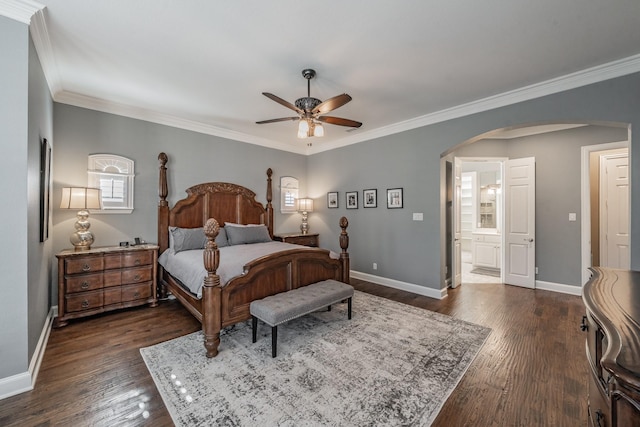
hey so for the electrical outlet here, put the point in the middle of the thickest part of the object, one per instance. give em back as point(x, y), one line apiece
point(375, 265)
point(536, 270)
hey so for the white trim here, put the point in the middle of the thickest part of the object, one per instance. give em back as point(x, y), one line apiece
point(26, 381)
point(396, 284)
point(42, 42)
point(585, 198)
point(19, 10)
point(559, 287)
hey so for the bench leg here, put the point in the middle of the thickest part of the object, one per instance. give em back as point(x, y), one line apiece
point(349, 308)
point(274, 341)
point(329, 308)
point(254, 328)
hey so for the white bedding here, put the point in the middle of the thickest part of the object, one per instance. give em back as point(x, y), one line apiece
point(188, 266)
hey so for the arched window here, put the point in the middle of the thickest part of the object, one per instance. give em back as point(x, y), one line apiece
point(288, 194)
point(114, 176)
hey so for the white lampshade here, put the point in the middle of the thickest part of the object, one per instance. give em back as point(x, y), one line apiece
point(303, 128)
point(81, 198)
point(305, 205)
point(318, 130)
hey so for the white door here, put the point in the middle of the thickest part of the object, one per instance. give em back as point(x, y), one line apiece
point(520, 222)
point(456, 247)
point(614, 211)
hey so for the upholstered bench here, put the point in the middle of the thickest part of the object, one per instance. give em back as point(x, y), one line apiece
point(280, 308)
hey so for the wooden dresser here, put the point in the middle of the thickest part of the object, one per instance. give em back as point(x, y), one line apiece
point(298, 239)
point(105, 279)
point(612, 322)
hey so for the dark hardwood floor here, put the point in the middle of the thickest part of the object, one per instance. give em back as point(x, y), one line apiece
point(531, 371)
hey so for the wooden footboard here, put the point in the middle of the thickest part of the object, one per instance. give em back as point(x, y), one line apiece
point(229, 304)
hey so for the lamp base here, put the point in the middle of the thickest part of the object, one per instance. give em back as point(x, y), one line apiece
point(82, 239)
point(304, 227)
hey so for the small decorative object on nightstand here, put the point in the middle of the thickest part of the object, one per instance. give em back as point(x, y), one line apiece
point(103, 279)
point(305, 206)
point(298, 239)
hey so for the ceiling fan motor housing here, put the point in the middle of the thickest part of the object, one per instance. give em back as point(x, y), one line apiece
point(307, 103)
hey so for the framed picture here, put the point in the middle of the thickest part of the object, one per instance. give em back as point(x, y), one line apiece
point(45, 188)
point(394, 198)
point(332, 200)
point(352, 199)
point(370, 198)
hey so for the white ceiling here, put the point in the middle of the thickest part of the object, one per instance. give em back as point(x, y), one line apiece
point(202, 65)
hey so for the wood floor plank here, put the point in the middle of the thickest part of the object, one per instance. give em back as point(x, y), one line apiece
point(531, 371)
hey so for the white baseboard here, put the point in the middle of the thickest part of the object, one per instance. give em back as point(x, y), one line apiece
point(26, 381)
point(558, 287)
point(396, 284)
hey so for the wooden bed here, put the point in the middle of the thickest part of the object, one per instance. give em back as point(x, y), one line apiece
point(212, 205)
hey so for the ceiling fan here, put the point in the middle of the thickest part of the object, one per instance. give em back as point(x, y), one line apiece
point(311, 110)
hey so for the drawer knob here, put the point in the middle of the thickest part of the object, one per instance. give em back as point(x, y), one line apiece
point(85, 304)
point(584, 326)
point(137, 277)
point(137, 295)
point(85, 285)
point(86, 267)
point(137, 262)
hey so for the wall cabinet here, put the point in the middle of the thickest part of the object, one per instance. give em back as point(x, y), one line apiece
point(486, 250)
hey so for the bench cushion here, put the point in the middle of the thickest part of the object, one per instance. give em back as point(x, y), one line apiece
point(285, 306)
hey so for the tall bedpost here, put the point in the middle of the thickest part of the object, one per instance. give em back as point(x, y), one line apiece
point(211, 290)
point(344, 245)
point(269, 204)
point(163, 205)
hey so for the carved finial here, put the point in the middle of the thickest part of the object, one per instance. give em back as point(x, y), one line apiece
point(344, 222)
point(344, 236)
point(163, 158)
point(211, 229)
point(269, 172)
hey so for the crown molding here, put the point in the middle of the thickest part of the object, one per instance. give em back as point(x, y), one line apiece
point(585, 77)
point(168, 120)
point(19, 10)
point(42, 42)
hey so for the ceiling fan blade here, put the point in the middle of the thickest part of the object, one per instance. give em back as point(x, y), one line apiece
point(282, 102)
point(283, 119)
point(339, 121)
point(331, 104)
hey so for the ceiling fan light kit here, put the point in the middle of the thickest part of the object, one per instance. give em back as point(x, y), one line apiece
point(310, 111)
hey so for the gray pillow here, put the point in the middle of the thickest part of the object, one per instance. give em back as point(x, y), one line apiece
point(184, 239)
point(243, 235)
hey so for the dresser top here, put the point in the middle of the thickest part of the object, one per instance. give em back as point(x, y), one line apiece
point(106, 249)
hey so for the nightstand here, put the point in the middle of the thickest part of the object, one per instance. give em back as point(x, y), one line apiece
point(298, 239)
point(104, 279)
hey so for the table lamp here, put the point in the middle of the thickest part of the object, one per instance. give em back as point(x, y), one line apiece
point(305, 205)
point(81, 198)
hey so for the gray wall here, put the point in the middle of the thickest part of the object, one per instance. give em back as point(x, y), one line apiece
point(14, 69)
point(193, 158)
point(409, 251)
point(39, 254)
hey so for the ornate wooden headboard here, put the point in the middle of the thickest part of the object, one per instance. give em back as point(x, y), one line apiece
point(220, 200)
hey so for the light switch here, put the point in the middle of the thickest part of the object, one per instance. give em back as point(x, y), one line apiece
point(572, 216)
point(417, 216)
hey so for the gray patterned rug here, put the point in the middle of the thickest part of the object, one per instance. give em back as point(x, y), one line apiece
point(391, 364)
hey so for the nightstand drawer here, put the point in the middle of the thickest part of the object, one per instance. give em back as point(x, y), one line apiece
point(84, 265)
point(136, 275)
point(135, 292)
point(134, 259)
point(85, 282)
point(84, 301)
point(298, 239)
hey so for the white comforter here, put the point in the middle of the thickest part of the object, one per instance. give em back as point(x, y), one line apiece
point(188, 266)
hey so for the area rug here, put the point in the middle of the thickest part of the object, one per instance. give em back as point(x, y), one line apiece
point(391, 364)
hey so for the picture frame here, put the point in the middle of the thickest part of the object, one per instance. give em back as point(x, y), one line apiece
point(45, 188)
point(370, 198)
point(332, 200)
point(394, 198)
point(351, 198)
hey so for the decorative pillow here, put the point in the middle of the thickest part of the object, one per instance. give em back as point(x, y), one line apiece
point(184, 239)
point(243, 235)
point(221, 238)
